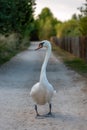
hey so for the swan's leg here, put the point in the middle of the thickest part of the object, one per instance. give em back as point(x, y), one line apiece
point(50, 107)
point(36, 110)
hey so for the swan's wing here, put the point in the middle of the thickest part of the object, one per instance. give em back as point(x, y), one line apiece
point(39, 94)
point(51, 88)
point(34, 89)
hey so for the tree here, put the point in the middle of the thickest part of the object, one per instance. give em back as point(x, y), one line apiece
point(83, 10)
point(46, 22)
point(16, 15)
point(68, 28)
point(83, 19)
point(74, 16)
point(83, 25)
point(46, 12)
point(34, 29)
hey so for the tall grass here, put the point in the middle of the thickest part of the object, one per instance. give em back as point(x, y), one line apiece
point(11, 45)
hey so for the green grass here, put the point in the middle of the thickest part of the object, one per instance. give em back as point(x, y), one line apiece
point(77, 64)
point(7, 57)
point(71, 61)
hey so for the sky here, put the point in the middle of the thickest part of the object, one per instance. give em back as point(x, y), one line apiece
point(61, 9)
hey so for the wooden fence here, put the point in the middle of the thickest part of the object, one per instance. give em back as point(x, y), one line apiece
point(74, 45)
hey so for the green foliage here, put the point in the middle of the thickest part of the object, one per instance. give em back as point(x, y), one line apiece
point(76, 26)
point(68, 28)
point(83, 19)
point(46, 24)
point(15, 15)
point(34, 31)
point(16, 25)
point(77, 64)
point(83, 10)
point(83, 25)
point(45, 13)
point(11, 45)
point(74, 16)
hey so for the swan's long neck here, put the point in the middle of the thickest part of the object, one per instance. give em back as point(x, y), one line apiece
point(43, 69)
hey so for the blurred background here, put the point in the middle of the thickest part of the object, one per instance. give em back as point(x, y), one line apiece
point(63, 23)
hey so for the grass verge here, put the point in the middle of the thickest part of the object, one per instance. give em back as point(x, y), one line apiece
point(71, 61)
point(11, 45)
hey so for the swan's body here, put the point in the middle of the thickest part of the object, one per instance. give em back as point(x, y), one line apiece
point(42, 92)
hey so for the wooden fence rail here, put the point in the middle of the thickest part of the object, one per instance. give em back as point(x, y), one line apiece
point(74, 45)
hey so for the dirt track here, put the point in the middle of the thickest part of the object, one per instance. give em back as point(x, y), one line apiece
point(16, 106)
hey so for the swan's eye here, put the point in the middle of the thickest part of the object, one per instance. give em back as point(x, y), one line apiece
point(41, 44)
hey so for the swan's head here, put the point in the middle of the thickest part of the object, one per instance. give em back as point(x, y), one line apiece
point(44, 43)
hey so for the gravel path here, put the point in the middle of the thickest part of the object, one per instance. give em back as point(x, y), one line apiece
point(16, 106)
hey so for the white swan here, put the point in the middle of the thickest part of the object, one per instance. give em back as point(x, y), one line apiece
point(42, 92)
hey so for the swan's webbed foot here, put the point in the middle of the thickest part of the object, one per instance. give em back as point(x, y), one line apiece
point(38, 115)
point(49, 113)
